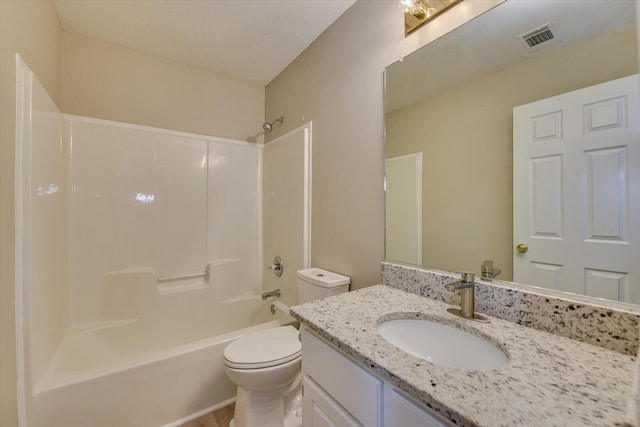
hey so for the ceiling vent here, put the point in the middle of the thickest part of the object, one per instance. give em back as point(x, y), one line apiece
point(544, 35)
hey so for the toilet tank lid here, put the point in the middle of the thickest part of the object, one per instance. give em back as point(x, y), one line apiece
point(324, 278)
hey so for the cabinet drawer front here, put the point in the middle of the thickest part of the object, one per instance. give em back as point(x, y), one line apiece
point(320, 410)
point(356, 390)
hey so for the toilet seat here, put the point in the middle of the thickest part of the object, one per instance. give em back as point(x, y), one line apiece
point(271, 347)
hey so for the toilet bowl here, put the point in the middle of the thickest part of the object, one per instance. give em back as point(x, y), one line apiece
point(266, 365)
point(266, 368)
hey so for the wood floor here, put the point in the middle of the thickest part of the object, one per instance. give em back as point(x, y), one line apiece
point(220, 418)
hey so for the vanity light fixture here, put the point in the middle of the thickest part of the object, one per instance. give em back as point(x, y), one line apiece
point(419, 12)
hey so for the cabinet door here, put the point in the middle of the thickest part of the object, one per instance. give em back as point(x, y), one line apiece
point(356, 389)
point(402, 412)
point(320, 410)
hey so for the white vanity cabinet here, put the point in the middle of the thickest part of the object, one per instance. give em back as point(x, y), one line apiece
point(401, 411)
point(338, 392)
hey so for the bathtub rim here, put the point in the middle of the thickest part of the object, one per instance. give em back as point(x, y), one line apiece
point(139, 360)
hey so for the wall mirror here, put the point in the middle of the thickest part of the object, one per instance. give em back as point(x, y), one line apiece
point(452, 202)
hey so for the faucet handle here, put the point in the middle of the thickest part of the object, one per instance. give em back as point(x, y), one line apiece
point(467, 276)
point(277, 267)
point(466, 281)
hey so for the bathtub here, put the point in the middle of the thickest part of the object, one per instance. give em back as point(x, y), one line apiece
point(136, 266)
point(102, 377)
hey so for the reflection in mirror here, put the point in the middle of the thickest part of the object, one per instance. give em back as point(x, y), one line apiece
point(451, 133)
point(419, 12)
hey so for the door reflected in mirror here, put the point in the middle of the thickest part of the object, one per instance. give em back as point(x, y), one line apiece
point(452, 103)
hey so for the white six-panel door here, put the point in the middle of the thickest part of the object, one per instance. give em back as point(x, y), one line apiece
point(577, 191)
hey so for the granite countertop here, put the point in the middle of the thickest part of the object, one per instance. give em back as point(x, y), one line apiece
point(550, 380)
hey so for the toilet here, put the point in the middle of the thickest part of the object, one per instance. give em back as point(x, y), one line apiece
point(265, 365)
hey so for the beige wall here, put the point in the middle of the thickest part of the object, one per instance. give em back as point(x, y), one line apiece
point(112, 82)
point(30, 28)
point(469, 152)
point(337, 83)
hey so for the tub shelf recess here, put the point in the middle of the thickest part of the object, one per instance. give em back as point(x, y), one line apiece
point(204, 274)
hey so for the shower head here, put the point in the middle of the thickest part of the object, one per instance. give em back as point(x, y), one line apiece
point(254, 138)
point(268, 126)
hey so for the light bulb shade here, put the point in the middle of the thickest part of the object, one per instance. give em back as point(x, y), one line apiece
point(419, 12)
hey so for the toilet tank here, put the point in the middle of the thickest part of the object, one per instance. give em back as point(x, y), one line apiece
point(316, 283)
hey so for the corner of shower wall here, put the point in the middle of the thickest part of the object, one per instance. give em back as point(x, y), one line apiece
point(234, 197)
point(138, 215)
point(160, 218)
point(41, 227)
point(287, 208)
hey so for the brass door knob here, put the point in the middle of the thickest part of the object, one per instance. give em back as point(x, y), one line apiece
point(522, 248)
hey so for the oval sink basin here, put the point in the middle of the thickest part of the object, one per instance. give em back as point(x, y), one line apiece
point(442, 344)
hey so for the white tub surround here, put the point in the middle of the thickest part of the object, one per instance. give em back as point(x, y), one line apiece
point(138, 258)
point(550, 379)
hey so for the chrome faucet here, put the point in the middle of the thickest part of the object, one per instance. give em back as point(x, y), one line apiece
point(466, 286)
point(487, 270)
point(271, 294)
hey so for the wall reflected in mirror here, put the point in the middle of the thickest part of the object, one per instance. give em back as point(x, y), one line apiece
point(450, 136)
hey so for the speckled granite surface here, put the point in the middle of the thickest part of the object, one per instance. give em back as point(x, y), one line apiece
point(550, 380)
point(614, 329)
point(633, 405)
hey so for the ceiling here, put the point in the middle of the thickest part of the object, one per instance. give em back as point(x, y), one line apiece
point(250, 40)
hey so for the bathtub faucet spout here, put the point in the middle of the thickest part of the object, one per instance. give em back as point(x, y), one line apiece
point(271, 294)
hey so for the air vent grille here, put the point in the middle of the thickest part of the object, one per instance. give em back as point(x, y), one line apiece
point(538, 36)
